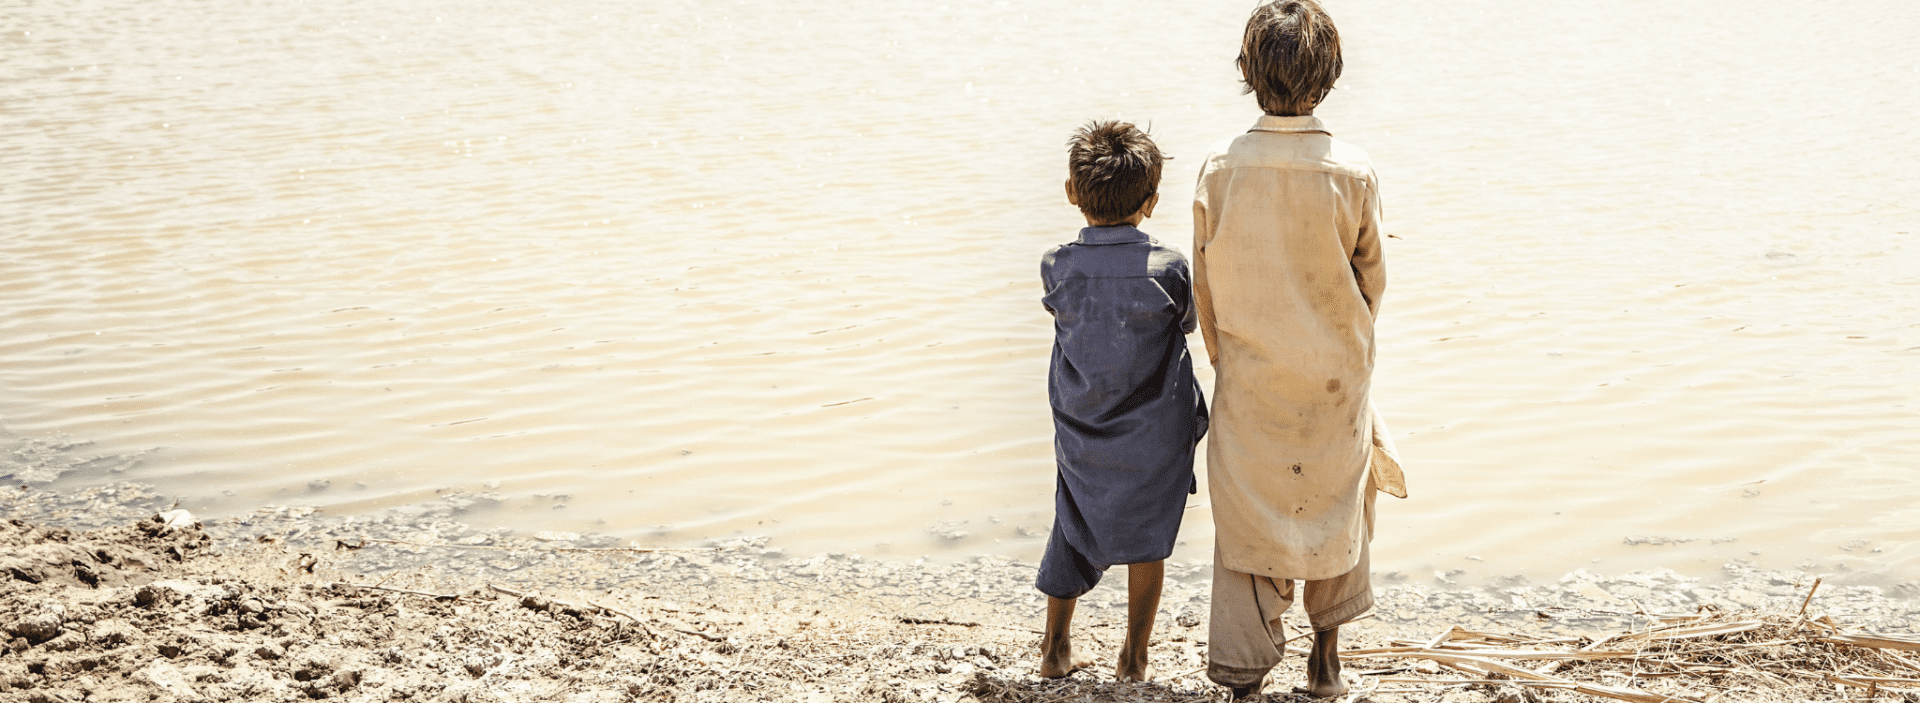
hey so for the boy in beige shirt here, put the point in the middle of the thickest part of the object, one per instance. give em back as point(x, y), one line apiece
point(1288, 274)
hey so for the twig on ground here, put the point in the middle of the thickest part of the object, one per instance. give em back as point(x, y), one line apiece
point(1550, 669)
point(702, 635)
point(1906, 642)
point(942, 621)
point(364, 541)
point(435, 596)
point(620, 613)
point(1809, 599)
point(910, 620)
point(1186, 673)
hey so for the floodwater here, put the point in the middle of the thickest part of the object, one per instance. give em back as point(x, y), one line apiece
point(677, 270)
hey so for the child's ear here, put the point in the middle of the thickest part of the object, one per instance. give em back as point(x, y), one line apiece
point(1146, 210)
point(1072, 197)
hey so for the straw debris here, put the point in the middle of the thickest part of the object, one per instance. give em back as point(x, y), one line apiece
point(1704, 656)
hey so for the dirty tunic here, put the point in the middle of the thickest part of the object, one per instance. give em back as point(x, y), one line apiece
point(1288, 274)
point(1127, 410)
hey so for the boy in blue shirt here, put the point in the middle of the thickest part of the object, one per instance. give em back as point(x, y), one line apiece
point(1126, 408)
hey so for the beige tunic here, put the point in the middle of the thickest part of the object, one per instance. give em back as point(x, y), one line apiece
point(1288, 274)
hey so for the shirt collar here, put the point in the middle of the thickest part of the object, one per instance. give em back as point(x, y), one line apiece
point(1116, 234)
point(1296, 124)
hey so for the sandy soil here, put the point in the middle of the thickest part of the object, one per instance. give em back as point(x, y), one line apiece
point(102, 601)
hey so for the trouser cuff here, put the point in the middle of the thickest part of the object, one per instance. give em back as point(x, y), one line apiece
point(1343, 613)
point(1235, 675)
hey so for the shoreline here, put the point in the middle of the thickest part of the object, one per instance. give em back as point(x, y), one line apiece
point(54, 473)
point(432, 535)
point(899, 631)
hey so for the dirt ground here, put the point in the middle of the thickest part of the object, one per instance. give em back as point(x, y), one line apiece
point(100, 600)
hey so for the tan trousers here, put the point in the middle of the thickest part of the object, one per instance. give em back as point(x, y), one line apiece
point(1245, 639)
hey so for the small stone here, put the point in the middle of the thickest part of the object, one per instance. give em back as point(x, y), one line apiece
point(66, 642)
point(177, 519)
point(313, 667)
point(36, 628)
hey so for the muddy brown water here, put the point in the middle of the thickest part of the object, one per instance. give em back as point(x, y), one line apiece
point(677, 271)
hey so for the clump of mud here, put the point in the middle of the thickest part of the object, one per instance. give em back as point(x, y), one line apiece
point(120, 556)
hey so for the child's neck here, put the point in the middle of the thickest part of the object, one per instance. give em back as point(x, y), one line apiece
point(1130, 222)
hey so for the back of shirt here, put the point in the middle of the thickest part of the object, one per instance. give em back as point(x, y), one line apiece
point(1121, 383)
point(1288, 277)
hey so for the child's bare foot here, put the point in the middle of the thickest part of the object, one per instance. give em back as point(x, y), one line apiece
point(1143, 601)
point(1057, 659)
point(1055, 665)
point(1323, 666)
point(1241, 693)
point(1133, 664)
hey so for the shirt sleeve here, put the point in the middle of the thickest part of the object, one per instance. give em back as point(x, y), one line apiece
point(1046, 279)
point(1190, 313)
point(1368, 260)
point(1202, 293)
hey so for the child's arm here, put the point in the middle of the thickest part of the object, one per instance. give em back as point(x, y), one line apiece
point(1046, 279)
point(1368, 261)
point(1190, 316)
point(1202, 293)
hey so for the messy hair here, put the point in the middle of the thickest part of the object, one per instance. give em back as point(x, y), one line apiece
point(1290, 56)
point(1115, 168)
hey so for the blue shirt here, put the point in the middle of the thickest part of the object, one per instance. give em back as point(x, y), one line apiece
point(1126, 407)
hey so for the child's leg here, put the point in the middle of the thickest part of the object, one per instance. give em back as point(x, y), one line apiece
point(1323, 665)
point(1143, 602)
point(1331, 603)
point(1056, 646)
point(1063, 572)
point(1244, 633)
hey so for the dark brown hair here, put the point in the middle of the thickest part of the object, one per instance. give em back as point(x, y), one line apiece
point(1290, 56)
point(1115, 168)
